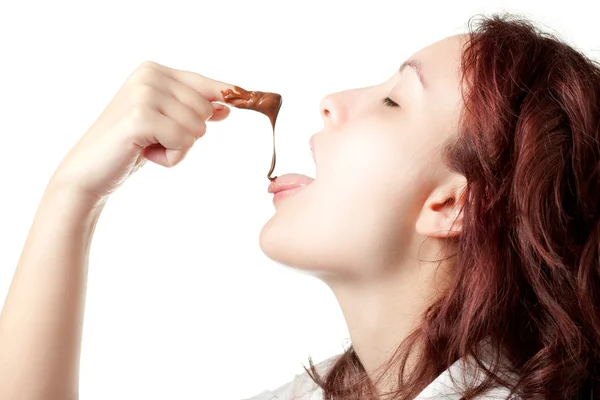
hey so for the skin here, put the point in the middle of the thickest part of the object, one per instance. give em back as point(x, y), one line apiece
point(359, 226)
point(381, 190)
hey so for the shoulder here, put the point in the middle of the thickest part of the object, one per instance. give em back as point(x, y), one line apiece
point(302, 387)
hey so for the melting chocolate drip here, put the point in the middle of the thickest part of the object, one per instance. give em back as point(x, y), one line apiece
point(263, 102)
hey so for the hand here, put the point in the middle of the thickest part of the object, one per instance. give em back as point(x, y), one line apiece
point(157, 115)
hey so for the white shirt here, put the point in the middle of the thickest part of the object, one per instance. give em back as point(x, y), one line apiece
point(443, 387)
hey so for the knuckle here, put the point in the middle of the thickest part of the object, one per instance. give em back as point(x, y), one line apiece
point(199, 129)
point(207, 110)
point(145, 73)
point(144, 91)
point(188, 141)
point(147, 65)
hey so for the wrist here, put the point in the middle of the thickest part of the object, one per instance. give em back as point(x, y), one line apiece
point(68, 200)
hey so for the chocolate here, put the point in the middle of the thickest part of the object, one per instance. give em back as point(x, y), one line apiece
point(263, 102)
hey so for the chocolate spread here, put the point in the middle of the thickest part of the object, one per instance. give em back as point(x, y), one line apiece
point(263, 102)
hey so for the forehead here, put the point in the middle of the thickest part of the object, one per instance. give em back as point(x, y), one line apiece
point(440, 63)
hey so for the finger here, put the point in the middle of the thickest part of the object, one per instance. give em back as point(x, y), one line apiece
point(187, 96)
point(165, 157)
point(156, 128)
point(221, 112)
point(181, 113)
point(209, 88)
point(156, 154)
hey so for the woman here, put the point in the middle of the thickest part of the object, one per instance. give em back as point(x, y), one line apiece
point(462, 244)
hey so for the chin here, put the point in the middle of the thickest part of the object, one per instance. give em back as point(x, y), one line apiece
point(288, 242)
point(277, 244)
point(286, 236)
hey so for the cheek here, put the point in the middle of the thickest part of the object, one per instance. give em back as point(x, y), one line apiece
point(374, 173)
point(371, 157)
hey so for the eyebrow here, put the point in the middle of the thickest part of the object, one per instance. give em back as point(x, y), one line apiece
point(416, 65)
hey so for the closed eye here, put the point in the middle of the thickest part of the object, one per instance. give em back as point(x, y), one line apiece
point(389, 102)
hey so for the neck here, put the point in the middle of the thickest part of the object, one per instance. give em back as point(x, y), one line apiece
point(381, 312)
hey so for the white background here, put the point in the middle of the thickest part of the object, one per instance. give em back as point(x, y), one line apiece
point(181, 303)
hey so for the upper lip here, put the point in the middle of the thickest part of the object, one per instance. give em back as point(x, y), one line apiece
point(289, 181)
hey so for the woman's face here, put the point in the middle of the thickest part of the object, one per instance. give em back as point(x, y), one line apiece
point(378, 169)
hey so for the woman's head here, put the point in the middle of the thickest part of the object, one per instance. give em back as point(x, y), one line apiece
point(504, 139)
point(381, 185)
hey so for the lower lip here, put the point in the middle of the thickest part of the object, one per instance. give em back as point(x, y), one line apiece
point(286, 193)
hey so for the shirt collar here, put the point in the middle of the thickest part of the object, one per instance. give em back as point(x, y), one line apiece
point(451, 383)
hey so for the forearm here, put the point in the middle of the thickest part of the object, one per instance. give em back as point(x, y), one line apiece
point(42, 318)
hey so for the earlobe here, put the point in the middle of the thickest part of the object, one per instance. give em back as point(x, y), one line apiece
point(441, 216)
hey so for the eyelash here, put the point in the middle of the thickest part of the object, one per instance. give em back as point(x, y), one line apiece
point(390, 103)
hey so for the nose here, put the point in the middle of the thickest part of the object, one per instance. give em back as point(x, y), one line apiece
point(334, 110)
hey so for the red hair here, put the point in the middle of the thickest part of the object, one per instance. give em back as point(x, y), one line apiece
point(526, 274)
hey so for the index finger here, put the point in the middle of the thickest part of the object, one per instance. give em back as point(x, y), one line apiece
point(210, 89)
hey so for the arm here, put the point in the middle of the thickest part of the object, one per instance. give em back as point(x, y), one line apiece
point(42, 318)
point(158, 114)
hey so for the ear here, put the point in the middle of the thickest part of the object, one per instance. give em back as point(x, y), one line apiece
point(442, 216)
